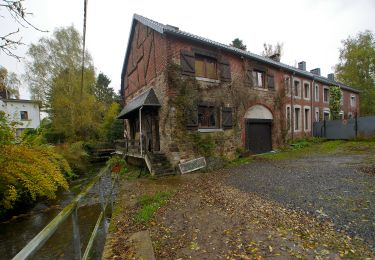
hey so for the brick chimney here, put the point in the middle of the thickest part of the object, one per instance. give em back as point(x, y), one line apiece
point(316, 71)
point(302, 65)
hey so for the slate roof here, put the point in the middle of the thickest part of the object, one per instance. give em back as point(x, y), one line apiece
point(147, 98)
point(171, 30)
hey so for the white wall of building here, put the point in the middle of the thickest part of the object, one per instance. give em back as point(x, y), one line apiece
point(13, 109)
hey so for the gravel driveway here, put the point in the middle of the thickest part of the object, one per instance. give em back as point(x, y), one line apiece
point(328, 186)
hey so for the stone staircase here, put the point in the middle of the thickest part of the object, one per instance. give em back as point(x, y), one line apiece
point(159, 164)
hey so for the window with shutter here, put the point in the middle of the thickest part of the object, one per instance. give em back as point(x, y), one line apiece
point(205, 67)
point(191, 116)
point(187, 62)
point(225, 74)
point(227, 118)
point(207, 117)
point(271, 81)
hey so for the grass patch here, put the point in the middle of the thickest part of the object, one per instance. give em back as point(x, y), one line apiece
point(150, 204)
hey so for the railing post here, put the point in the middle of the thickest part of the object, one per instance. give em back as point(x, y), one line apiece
point(76, 236)
point(101, 194)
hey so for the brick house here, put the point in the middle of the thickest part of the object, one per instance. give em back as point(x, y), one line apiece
point(186, 96)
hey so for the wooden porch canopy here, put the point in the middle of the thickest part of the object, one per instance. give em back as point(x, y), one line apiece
point(146, 99)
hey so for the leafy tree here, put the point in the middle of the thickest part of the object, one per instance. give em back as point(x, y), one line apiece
point(51, 57)
point(112, 128)
point(356, 68)
point(9, 84)
point(102, 91)
point(335, 102)
point(76, 117)
point(273, 51)
point(28, 171)
point(238, 44)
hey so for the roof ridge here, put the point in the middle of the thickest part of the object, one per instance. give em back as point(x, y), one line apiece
point(162, 28)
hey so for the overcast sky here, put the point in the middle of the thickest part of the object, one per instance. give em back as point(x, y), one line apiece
point(311, 30)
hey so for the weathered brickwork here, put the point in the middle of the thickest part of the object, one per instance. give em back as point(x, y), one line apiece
point(150, 56)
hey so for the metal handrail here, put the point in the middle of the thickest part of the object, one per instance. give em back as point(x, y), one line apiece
point(71, 209)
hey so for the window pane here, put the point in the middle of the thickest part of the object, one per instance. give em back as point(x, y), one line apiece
point(199, 67)
point(206, 116)
point(211, 69)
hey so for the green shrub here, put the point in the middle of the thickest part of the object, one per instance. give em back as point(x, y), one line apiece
point(118, 161)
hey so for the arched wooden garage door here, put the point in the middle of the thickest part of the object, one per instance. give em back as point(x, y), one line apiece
point(258, 129)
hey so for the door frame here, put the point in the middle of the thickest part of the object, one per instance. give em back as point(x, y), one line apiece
point(255, 120)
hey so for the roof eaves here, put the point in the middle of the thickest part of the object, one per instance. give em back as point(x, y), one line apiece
point(258, 58)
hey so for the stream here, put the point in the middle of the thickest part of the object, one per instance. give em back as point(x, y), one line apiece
point(18, 231)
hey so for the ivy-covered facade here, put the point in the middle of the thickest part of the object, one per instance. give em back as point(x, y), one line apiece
point(186, 96)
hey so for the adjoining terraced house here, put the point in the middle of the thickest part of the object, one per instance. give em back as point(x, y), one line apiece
point(186, 96)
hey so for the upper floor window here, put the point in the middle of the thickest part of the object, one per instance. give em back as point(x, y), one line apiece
point(316, 92)
point(205, 67)
point(258, 77)
point(352, 101)
point(24, 115)
point(297, 88)
point(306, 91)
point(326, 95)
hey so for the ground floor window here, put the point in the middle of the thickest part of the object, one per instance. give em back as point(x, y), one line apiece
point(307, 119)
point(297, 119)
point(207, 117)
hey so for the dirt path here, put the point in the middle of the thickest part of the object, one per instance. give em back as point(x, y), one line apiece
point(209, 219)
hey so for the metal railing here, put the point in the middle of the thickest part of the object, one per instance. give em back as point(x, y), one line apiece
point(71, 210)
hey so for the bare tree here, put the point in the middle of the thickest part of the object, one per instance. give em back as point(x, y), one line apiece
point(11, 40)
point(273, 51)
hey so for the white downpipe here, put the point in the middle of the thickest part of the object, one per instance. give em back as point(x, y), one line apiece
point(140, 129)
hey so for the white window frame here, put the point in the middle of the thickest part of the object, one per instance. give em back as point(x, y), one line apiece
point(317, 112)
point(309, 93)
point(299, 117)
point(316, 95)
point(353, 101)
point(290, 117)
point(308, 129)
point(325, 111)
point(300, 88)
point(288, 91)
point(326, 101)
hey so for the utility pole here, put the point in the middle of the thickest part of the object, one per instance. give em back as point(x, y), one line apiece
point(84, 43)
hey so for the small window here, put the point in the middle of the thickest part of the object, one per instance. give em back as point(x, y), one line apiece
point(287, 85)
point(326, 95)
point(207, 117)
point(271, 81)
point(316, 92)
point(24, 115)
point(316, 116)
point(297, 89)
point(205, 67)
point(297, 119)
point(352, 101)
point(307, 119)
point(306, 91)
point(288, 118)
point(258, 77)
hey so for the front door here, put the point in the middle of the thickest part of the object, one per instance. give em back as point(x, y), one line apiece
point(258, 135)
point(151, 130)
